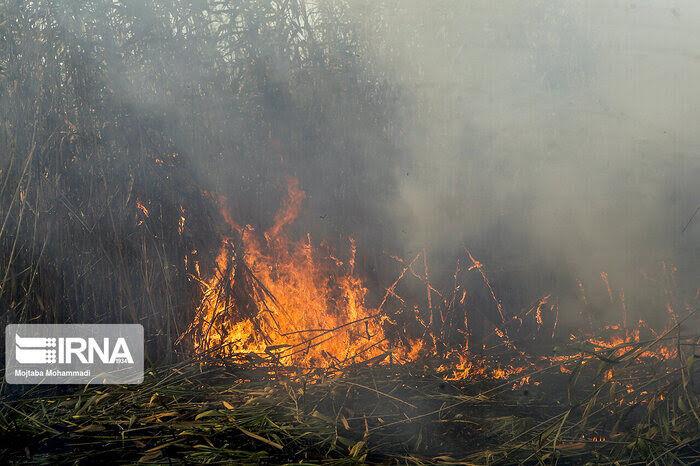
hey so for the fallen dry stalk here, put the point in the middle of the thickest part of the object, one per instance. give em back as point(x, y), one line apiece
point(241, 413)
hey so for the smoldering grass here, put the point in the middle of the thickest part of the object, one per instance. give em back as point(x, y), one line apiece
point(190, 412)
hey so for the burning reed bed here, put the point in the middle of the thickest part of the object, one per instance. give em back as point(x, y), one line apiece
point(139, 140)
point(605, 408)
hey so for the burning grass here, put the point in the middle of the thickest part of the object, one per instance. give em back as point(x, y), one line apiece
point(626, 395)
point(280, 298)
point(292, 365)
point(607, 409)
point(293, 359)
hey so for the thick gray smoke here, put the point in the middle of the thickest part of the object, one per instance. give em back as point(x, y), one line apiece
point(555, 141)
point(555, 138)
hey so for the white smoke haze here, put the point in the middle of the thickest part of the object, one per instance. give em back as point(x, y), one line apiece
point(554, 140)
point(545, 134)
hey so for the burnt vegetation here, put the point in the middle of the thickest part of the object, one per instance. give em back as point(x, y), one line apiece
point(145, 150)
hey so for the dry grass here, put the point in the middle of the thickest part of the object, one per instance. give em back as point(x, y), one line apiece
point(90, 123)
point(255, 413)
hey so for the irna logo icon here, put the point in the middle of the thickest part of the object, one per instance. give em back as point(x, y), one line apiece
point(73, 354)
point(33, 350)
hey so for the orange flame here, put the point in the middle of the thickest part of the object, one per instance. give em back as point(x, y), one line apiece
point(282, 299)
point(309, 310)
point(142, 208)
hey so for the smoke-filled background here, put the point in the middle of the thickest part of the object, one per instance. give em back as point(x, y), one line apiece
point(554, 141)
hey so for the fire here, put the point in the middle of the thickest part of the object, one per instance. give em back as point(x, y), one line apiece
point(181, 222)
point(308, 310)
point(143, 211)
point(608, 375)
point(282, 299)
point(624, 339)
point(461, 366)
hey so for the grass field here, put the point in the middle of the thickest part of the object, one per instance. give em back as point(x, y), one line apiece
point(607, 410)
